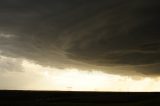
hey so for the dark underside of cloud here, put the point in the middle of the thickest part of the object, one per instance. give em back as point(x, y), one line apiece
point(66, 33)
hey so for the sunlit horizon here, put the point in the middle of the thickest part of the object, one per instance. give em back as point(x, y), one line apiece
point(37, 77)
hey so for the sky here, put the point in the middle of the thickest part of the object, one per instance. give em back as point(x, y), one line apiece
point(79, 45)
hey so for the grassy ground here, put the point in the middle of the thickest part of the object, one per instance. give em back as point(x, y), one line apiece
point(53, 98)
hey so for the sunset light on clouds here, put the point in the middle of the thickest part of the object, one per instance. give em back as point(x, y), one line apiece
point(80, 45)
point(36, 77)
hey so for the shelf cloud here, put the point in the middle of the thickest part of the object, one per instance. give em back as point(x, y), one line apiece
point(90, 34)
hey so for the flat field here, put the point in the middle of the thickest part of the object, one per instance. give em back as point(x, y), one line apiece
point(67, 98)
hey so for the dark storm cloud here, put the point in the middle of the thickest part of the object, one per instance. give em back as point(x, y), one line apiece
point(123, 33)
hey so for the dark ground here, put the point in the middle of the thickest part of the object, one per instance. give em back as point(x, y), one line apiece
point(59, 98)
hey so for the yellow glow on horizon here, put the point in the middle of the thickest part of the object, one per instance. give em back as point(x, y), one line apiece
point(72, 79)
point(81, 80)
point(38, 77)
point(76, 80)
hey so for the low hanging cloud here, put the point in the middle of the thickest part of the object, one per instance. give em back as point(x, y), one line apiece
point(83, 34)
point(10, 64)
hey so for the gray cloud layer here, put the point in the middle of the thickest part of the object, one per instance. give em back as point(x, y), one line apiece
point(10, 64)
point(123, 33)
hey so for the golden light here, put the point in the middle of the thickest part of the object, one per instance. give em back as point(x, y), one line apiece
point(77, 80)
point(72, 79)
point(38, 77)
